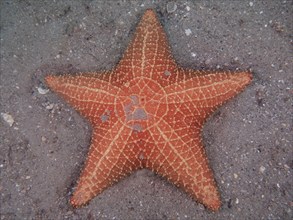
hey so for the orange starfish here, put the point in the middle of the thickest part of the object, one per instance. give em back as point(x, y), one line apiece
point(148, 113)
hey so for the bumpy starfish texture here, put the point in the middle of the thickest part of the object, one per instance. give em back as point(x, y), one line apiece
point(148, 112)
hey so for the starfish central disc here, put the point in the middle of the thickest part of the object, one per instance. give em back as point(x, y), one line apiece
point(140, 104)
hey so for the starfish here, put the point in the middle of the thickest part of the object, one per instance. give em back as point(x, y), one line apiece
point(148, 112)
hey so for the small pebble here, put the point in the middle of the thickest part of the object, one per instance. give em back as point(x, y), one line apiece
point(187, 32)
point(208, 61)
point(193, 54)
point(171, 7)
point(262, 169)
point(43, 139)
point(8, 118)
point(69, 213)
point(50, 106)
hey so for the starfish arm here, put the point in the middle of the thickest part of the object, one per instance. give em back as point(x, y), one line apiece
point(180, 157)
point(205, 91)
point(148, 53)
point(109, 159)
point(91, 96)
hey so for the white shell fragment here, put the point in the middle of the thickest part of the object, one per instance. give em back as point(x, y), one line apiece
point(42, 91)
